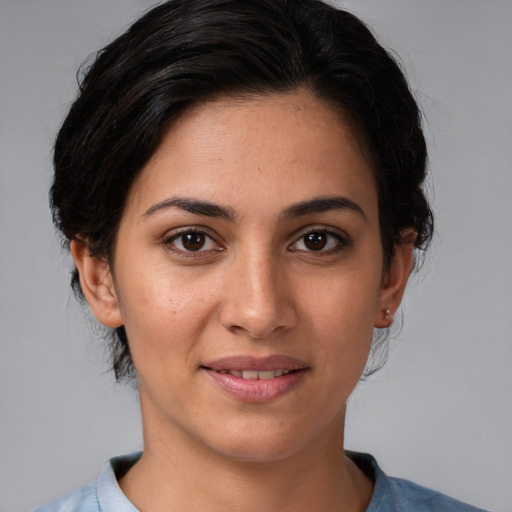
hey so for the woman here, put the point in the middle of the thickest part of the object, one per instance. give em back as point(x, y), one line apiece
point(240, 185)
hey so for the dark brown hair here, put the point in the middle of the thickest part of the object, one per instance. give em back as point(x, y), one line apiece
point(186, 51)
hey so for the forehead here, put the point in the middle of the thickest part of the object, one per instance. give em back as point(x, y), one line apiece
point(287, 147)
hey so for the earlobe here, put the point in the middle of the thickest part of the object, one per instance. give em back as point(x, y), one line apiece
point(97, 284)
point(395, 280)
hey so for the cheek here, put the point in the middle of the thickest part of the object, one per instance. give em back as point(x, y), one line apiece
point(345, 299)
point(164, 313)
point(340, 310)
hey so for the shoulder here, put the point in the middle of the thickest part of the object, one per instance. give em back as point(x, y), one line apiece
point(399, 495)
point(80, 500)
point(104, 495)
point(411, 496)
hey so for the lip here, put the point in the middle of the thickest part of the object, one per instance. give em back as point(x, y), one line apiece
point(256, 390)
point(246, 362)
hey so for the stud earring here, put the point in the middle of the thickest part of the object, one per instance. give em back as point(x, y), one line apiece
point(387, 314)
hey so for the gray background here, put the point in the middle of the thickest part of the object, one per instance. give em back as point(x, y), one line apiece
point(438, 413)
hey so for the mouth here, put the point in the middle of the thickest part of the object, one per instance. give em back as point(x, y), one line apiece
point(255, 374)
point(256, 368)
point(256, 380)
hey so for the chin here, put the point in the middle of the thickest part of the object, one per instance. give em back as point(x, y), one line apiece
point(261, 442)
point(258, 452)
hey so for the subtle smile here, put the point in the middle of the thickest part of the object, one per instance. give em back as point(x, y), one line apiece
point(256, 380)
point(254, 374)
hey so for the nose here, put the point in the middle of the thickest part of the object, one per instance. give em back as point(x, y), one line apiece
point(258, 297)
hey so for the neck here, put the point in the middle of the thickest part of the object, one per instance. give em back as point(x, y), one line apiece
point(178, 473)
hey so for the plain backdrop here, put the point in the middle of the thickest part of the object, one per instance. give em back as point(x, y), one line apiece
point(439, 413)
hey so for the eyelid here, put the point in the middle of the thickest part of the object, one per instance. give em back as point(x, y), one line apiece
point(173, 235)
point(343, 238)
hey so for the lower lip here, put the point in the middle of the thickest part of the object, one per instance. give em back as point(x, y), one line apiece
point(256, 390)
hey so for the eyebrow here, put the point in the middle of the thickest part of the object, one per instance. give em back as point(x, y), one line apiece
point(309, 207)
point(195, 206)
point(321, 205)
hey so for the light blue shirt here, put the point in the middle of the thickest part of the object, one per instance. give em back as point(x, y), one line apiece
point(389, 495)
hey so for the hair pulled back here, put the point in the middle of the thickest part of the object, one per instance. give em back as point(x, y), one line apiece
point(187, 51)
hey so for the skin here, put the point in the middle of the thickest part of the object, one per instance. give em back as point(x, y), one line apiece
point(254, 288)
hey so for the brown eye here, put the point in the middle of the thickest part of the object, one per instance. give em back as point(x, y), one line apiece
point(315, 241)
point(321, 241)
point(193, 241)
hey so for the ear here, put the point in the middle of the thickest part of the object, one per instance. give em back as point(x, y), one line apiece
point(395, 279)
point(97, 284)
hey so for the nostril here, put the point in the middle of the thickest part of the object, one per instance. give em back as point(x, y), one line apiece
point(257, 315)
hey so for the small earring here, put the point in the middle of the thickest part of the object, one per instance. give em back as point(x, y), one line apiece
point(387, 314)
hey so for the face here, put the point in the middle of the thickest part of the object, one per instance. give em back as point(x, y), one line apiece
point(248, 273)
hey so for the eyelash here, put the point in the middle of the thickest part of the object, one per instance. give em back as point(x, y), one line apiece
point(342, 242)
point(170, 242)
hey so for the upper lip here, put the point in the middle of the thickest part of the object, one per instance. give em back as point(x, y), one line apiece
point(247, 362)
